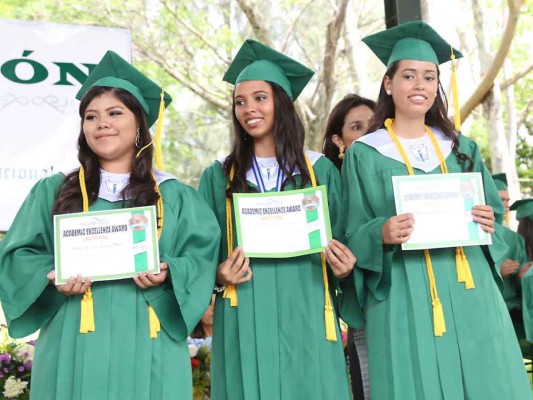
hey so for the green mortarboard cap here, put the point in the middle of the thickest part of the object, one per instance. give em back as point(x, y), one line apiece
point(413, 40)
point(257, 62)
point(113, 71)
point(500, 180)
point(523, 208)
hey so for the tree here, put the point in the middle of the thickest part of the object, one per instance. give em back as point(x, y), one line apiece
point(187, 46)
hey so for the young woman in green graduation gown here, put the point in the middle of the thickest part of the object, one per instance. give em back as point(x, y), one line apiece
point(275, 336)
point(524, 215)
point(437, 326)
point(135, 345)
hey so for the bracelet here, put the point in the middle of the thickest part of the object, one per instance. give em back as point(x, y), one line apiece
point(219, 288)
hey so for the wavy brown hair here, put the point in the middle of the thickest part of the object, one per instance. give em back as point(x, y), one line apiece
point(336, 122)
point(289, 135)
point(436, 116)
point(140, 189)
point(525, 228)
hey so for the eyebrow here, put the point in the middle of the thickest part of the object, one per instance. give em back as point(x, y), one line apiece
point(415, 70)
point(254, 93)
point(107, 109)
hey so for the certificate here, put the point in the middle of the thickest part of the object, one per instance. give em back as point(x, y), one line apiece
point(282, 224)
point(106, 245)
point(441, 205)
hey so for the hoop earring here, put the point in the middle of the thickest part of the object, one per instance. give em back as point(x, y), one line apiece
point(138, 138)
point(341, 152)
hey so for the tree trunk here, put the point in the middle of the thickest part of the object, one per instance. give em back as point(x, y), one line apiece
point(512, 136)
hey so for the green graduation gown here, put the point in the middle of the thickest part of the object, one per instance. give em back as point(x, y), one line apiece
point(511, 284)
point(273, 345)
point(527, 303)
point(478, 357)
point(118, 360)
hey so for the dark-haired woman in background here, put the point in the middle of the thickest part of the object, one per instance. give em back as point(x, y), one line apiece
point(347, 122)
point(430, 335)
point(270, 338)
point(136, 345)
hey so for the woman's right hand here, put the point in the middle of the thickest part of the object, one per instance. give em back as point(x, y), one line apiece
point(73, 287)
point(235, 270)
point(398, 229)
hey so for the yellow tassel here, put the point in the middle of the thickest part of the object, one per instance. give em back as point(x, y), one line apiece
point(331, 333)
point(87, 312)
point(230, 293)
point(469, 279)
point(455, 93)
point(155, 325)
point(159, 133)
point(439, 326)
point(459, 265)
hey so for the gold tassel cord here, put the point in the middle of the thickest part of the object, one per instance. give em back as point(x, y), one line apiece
point(87, 312)
point(439, 325)
point(329, 317)
point(455, 94)
point(155, 325)
point(159, 133)
point(153, 321)
point(87, 307)
point(230, 292)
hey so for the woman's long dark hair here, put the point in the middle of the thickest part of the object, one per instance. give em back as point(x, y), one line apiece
point(289, 135)
point(525, 228)
point(336, 122)
point(436, 116)
point(140, 189)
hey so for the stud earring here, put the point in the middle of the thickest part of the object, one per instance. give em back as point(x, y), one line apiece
point(389, 92)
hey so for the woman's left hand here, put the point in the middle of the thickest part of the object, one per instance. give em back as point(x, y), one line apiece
point(484, 216)
point(148, 280)
point(340, 259)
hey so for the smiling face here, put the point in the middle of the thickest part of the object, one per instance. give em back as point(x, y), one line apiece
point(254, 109)
point(110, 129)
point(413, 87)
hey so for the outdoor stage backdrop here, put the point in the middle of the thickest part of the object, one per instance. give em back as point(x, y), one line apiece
point(41, 67)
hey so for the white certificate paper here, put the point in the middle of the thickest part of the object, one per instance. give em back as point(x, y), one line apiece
point(106, 245)
point(282, 224)
point(441, 205)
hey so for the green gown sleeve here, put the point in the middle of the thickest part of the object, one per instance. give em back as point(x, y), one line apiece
point(26, 257)
point(212, 188)
point(189, 245)
point(496, 252)
point(345, 291)
point(363, 231)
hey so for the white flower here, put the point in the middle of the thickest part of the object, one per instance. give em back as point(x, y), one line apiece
point(14, 387)
point(193, 350)
point(24, 352)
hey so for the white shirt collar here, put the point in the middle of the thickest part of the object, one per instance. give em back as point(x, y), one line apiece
point(381, 141)
point(269, 168)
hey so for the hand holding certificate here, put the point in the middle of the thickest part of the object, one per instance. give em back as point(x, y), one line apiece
point(106, 245)
point(283, 224)
point(442, 208)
